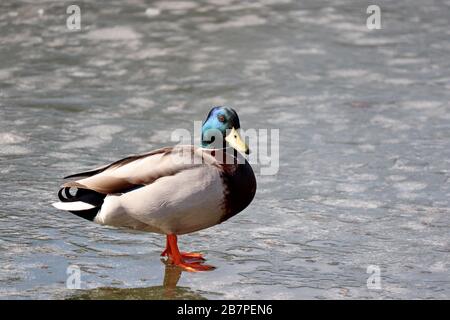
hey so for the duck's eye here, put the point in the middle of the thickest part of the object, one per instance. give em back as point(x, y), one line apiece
point(221, 118)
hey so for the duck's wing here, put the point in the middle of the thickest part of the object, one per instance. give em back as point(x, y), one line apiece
point(138, 170)
point(118, 163)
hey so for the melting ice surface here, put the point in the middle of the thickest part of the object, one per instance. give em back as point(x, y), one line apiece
point(364, 121)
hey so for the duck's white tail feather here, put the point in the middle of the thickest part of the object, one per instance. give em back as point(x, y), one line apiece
point(73, 206)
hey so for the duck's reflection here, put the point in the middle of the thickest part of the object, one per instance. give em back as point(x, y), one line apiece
point(168, 290)
point(172, 275)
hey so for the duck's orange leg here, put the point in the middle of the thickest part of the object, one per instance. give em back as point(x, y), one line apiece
point(179, 258)
point(185, 255)
point(166, 251)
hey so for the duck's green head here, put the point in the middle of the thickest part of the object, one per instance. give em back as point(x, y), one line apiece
point(220, 128)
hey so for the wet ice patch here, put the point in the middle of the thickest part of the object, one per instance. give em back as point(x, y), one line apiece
point(413, 225)
point(348, 73)
point(5, 74)
point(104, 131)
point(220, 2)
point(176, 107)
point(10, 138)
point(409, 165)
point(366, 148)
point(361, 39)
point(395, 178)
point(14, 150)
point(400, 81)
point(149, 53)
point(152, 12)
point(389, 123)
point(349, 27)
point(94, 137)
point(350, 188)
point(406, 61)
point(285, 101)
point(115, 33)
point(310, 51)
point(244, 21)
point(275, 2)
point(421, 105)
point(141, 102)
point(440, 266)
point(410, 186)
point(364, 177)
point(176, 5)
point(353, 203)
point(9, 143)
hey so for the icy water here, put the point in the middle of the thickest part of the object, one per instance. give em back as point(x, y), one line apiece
point(364, 120)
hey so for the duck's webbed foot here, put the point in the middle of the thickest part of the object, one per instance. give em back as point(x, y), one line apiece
point(189, 261)
point(192, 256)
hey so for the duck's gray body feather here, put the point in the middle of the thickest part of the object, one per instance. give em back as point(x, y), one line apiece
point(170, 191)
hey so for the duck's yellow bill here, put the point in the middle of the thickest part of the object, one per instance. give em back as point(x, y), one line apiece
point(234, 139)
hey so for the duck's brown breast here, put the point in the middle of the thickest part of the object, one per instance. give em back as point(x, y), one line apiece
point(239, 188)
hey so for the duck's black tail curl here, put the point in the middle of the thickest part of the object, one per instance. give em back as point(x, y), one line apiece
point(84, 203)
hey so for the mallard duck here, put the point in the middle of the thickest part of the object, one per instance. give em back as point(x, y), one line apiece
point(171, 191)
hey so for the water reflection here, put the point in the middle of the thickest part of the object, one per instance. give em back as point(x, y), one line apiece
point(167, 291)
